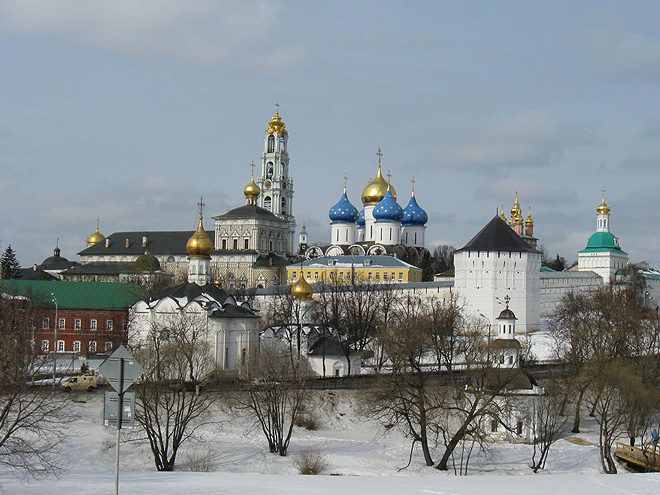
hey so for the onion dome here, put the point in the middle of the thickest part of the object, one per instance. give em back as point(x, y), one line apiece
point(502, 215)
point(252, 190)
point(516, 212)
point(388, 208)
point(95, 237)
point(146, 263)
point(301, 289)
point(376, 189)
point(344, 211)
point(530, 221)
point(413, 214)
point(361, 221)
point(603, 208)
point(276, 126)
point(199, 245)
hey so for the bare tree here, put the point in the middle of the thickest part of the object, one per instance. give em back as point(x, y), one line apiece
point(551, 423)
point(33, 422)
point(176, 356)
point(276, 394)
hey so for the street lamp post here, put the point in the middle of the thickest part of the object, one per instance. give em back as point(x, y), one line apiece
point(55, 342)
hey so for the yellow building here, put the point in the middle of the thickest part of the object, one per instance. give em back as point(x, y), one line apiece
point(348, 269)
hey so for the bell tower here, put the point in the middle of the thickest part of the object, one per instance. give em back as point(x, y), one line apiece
point(275, 183)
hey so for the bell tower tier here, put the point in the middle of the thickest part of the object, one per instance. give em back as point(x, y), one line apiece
point(276, 185)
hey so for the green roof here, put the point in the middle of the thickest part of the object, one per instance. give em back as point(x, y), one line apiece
point(602, 242)
point(547, 269)
point(77, 295)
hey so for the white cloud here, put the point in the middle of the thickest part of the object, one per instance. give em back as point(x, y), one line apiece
point(532, 138)
point(623, 52)
point(218, 33)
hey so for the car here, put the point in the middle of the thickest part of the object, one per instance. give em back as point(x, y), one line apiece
point(83, 382)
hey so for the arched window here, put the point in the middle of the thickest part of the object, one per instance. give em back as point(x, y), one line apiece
point(269, 170)
point(283, 206)
point(268, 202)
point(271, 143)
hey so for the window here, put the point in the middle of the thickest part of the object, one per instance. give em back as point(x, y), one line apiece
point(519, 428)
point(316, 275)
point(76, 346)
point(235, 243)
point(224, 244)
point(332, 276)
point(45, 324)
point(60, 346)
point(45, 345)
point(493, 425)
point(92, 324)
point(384, 276)
point(77, 324)
point(401, 276)
point(271, 145)
point(108, 346)
point(370, 276)
point(246, 243)
point(92, 346)
point(377, 275)
point(341, 275)
point(309, 275)
point(268, 202)
point(62, 325)
point(294, 275)
point(108, 325)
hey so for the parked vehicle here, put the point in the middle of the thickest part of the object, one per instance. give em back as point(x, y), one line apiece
point(83, 382)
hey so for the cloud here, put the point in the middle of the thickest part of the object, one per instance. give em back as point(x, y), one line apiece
point(530, 192)
point(532, 138)
point(624, 53)
point(219, 33)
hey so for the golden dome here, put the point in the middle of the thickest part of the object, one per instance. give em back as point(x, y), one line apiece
point(252, 189)
point(603, 208)
point(276, 126)
point(376, 189)
point(516, 211)
point(529, 222)
point(301, 289)
point(502, 215)
point(199, 245)
point(96, 236)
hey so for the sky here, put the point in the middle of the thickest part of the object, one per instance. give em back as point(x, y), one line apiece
point(130, 111)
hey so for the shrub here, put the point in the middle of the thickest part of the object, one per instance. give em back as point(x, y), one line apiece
point(198, 461)
point(310, 461)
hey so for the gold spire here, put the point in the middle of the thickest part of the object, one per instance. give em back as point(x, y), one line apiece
point(252, 190)
point(376, 189)
point(96, 236)
point(199, 245)
point(276, 126)
point(301, 289)
point(603, 208)
point(516, 212)
point(502, 215)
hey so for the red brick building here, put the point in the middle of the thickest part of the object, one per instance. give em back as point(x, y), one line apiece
point(81, 318)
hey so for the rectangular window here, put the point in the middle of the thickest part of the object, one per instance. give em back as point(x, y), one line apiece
point(309, 275)
point(393, 276)
point(62, 323)
point(341, 275)
point(77, 324)
point(60, 346)
point(108, 325)
point(246, 243)
point(332, 276)
point(294, 275)
point(377, 275)
point(92, 346)
point(384, 276)
point(370, 276)
point(76, 346)
point(92, 324)
point(224, 244)
point(45, 345)
point(45, 324)
point(493, 425)
point(316, 275)
point(401, 276)
point(108, 346)
point(235, 243)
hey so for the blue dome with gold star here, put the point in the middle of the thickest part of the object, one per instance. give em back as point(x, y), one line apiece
point(388, 209)
point(413, 214)
point(361, 221)
point(344, 211)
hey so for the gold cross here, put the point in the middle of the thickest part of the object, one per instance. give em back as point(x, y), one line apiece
point(380, 155)
point(252, 166)
point(201, 205)
point(603, 189)
point(389, 177)
point(345, 179)
point(413, 185)
point(97, 223)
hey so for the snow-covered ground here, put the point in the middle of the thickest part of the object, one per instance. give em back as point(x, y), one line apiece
point(361, 460)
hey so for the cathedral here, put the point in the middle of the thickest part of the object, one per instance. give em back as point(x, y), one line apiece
point(382, 227)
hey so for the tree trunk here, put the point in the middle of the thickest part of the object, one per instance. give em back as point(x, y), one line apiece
point(449, 449)
point(576, 420)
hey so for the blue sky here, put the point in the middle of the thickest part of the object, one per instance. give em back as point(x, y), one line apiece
point(130, 111)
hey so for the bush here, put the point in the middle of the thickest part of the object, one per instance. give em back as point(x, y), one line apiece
point(198, 461)
point(310, 461)
point(307, 421)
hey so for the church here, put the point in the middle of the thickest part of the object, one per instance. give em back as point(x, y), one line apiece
point(252, 243)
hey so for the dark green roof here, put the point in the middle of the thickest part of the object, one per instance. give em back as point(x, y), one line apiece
point(603, 242)
point(76, 295)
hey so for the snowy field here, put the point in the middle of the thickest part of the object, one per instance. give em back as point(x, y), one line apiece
point(361, 460)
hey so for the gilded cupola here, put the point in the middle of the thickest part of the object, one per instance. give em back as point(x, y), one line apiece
point(603, 208)
point(96, 236)
point(376, 189)
point(530, 221)
point(516, 212)
point(252, 190)
point(301, 289)
point(199, 245)
point(276, 126)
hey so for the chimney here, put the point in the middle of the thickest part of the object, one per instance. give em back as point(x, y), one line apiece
point(145, 241)
point(107, 242)
point(128, 242)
